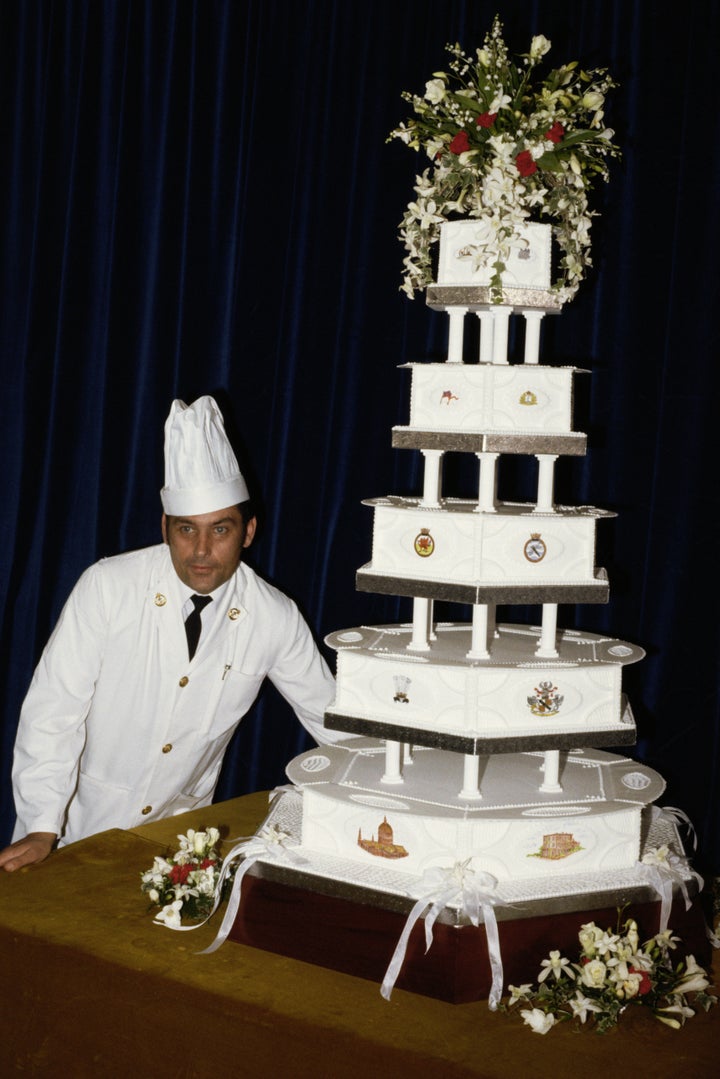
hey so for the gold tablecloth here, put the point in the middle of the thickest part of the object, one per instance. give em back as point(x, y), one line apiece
point(91, 987)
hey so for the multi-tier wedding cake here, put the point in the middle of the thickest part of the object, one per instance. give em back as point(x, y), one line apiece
point(482, 739)
point(480, 750)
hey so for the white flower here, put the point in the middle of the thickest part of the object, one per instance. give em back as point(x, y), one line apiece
point(667, 1015)
point(593, 974)
point(425, 211)
point(592, 100)
point(665, 940)
point(500, 101)
point(656, 856)
point(588, 936)
point(581, 1005)
point(519, 992)
point(538, 1021)
point(694, 979)
point(170, 914)
point(539, 46)
point(557, 966)
point(607, 944)
point(434, 91)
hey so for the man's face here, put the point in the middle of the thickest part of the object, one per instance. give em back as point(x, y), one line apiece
point(205, 549)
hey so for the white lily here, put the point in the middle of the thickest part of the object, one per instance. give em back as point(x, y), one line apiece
point(538, 1021)
point(582, 1005)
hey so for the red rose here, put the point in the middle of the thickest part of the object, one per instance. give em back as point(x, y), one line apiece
point(180, 873)
point(555, 133)
point(525, 164)
point(486, 119)
point(645, 983)
point(460, 143)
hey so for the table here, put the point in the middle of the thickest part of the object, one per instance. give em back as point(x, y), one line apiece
point(91, 987)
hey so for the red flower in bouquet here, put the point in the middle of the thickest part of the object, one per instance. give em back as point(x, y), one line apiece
point(525, 163)
point(555, 133)
point(486, 119)
point(460, 143)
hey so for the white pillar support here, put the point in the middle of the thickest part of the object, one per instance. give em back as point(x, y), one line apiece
point(486, 336)
point(407, 757)
point(479, 640)
point(487, 482)
point(393, 766)
point(551, 771)
point(533, 320)
point(501, 323)
point(471, 778)
point(421, 625)
point(455, 337)
point(432, 477)
point(546, 482)
point(547, 645)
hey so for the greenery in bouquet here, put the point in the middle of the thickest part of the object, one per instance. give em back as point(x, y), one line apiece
point(614, 971)
point(183, 885)
point(507, 146)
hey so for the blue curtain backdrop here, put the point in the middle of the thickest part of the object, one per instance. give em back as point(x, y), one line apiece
point(198, 198)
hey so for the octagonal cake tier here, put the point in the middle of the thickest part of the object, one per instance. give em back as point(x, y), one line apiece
point(516, 831)
point(456, 551)
point(513, 699)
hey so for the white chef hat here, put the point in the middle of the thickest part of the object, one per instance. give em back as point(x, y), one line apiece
point(201, 471)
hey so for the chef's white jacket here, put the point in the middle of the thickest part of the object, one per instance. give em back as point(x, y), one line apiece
point(119, 728)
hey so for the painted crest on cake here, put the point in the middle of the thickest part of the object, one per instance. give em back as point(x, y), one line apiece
point(528, 398)
point(546, 700)
point(384, 846)
point(447, 396)
point(424, 543)
point(535, 548)
point(557, 845)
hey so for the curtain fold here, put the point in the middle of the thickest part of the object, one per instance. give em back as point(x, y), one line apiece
point(198, 197)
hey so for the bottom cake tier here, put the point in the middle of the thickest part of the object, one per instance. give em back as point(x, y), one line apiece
point(590, 823)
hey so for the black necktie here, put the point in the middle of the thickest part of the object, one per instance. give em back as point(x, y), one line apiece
point(193, 622)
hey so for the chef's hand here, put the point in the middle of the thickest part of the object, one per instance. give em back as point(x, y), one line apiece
point(35, 847)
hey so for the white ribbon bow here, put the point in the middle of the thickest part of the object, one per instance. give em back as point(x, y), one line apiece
point(470, 891)
point(661, 868)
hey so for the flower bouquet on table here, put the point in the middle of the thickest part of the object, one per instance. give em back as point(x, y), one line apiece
point(184, 884)
point(614, 971)
point(506, 146)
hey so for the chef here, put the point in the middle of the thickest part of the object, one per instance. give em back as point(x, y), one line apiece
point(129, 712)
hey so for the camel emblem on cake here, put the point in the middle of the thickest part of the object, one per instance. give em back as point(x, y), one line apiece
point(384, 846)
point(401, 682)
point(424, 543)
point(447, 396)
point(546, 701)
point(528, 398)
point(557, 845)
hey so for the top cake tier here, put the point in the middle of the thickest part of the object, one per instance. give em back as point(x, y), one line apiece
point(463, 256)
point(463, 284)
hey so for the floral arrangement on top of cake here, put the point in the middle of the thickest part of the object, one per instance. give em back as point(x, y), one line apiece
point(614, 971)
point(506, 146)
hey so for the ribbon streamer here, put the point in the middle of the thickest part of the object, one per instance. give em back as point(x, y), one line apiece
point(662, 870)
point(271, 841)
point(470, 891)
